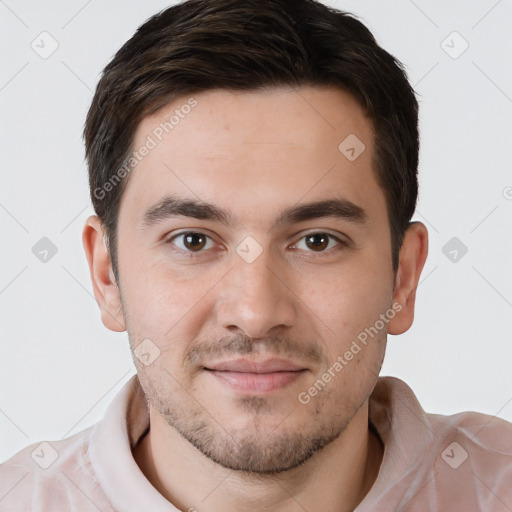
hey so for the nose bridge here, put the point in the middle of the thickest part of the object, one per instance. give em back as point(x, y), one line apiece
point(258, 280)
point(255, 298)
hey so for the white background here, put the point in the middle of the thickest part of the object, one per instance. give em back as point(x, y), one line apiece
point(60, 367)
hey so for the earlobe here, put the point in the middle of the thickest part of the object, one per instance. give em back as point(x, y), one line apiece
point(103, 280)
point(413, 255)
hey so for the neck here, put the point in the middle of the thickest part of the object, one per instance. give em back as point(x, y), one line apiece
point(335, 479)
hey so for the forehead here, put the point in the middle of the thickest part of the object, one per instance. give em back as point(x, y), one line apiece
point(256, 151)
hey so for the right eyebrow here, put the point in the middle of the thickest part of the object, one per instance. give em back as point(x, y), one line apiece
point(171, 206)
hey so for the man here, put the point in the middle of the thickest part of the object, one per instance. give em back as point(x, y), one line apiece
point(253, 169)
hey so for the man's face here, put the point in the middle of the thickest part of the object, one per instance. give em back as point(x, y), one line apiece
point(249, 313)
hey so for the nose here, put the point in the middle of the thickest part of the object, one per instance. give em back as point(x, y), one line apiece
point(256, 298)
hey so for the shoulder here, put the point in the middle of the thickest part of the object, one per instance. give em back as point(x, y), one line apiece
point(473, 455)
point(484, 441)
point(461, 461)
point(481, 434)
point(52, 475)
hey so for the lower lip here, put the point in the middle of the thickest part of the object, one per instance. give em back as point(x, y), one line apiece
point(257, 382)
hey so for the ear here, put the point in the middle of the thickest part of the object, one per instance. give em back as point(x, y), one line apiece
point(104, 284)
point(412, 259)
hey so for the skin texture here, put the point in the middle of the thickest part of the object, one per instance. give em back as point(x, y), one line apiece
point(255, 154)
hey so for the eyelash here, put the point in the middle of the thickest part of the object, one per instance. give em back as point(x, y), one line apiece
point(191, 254)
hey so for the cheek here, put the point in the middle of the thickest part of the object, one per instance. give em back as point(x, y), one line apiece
point(347, 300)
point(345, 305)
point(162, 303)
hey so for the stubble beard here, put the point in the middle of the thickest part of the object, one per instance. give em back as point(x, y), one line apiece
point(268, 444)
point(259, 448)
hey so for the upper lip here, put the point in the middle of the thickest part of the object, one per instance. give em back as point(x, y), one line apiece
point(246, 366)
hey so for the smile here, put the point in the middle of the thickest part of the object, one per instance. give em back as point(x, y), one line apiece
point(256, 377)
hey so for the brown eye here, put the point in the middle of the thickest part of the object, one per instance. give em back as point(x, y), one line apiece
point(194, 241)
point(317, 242)
point(321, 243)
point(191, 242)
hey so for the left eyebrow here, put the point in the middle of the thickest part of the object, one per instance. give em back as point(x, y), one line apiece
point(336, 208)
point(171, 206)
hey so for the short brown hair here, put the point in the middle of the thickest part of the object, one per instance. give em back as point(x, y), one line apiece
point(246, 45)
